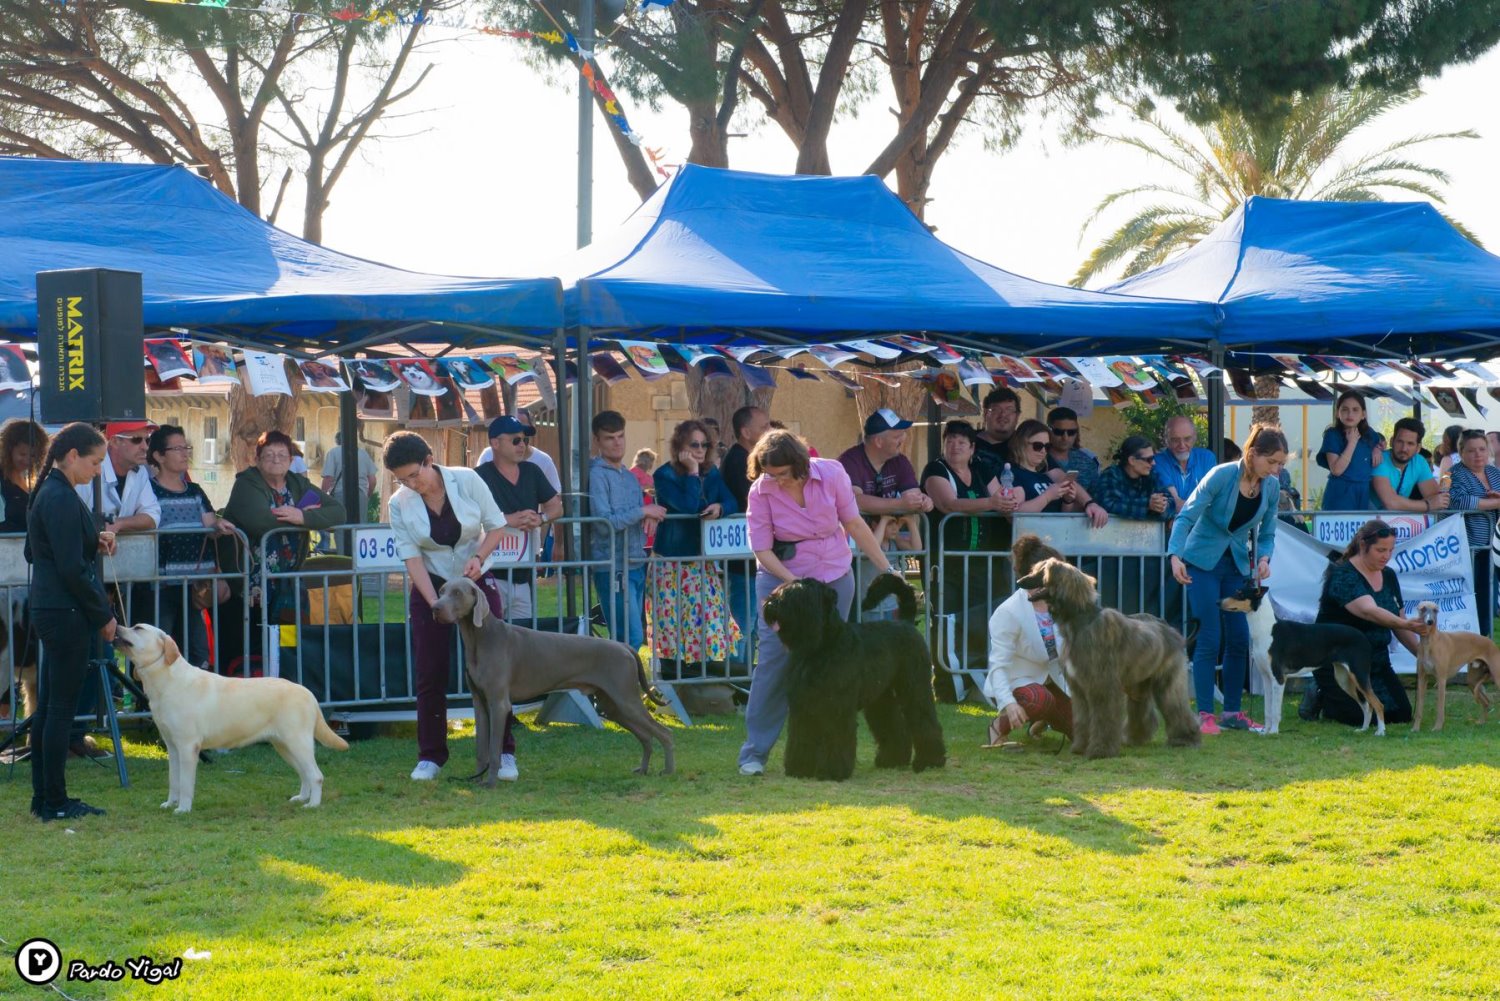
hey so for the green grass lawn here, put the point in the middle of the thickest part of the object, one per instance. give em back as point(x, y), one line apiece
point(1321, 863)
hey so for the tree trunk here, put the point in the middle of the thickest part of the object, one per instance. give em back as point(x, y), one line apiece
point(249, 416)
point(720, 398)
point(905, 28)
point(1267, 387)
point(317, 201)
point(812, 158)
point(710, 146)
point(913, 178)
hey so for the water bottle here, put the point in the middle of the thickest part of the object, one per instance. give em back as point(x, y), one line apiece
point(1007, 481)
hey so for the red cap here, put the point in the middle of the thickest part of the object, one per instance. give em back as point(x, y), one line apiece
point(118, 428)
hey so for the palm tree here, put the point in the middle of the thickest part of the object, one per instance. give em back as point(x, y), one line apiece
point(1289, 154)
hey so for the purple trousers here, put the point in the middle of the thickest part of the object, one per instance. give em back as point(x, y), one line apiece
point(432, 646)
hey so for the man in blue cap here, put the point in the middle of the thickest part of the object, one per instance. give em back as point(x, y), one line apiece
point(885, 484)
point(884, 481)
point(528, 502)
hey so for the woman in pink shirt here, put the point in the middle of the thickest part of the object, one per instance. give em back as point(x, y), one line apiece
point(801, 514)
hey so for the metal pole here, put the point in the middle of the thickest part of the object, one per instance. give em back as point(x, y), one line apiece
point(568, 462)
point(585, 133)
point(585, 416)
point(585, 409)
point(349, 456)
point(567, 540)
point(1215, 388)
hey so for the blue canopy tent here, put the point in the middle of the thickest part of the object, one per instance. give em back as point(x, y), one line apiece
point(718, 254)
point(209, 265)
point(1324, 277)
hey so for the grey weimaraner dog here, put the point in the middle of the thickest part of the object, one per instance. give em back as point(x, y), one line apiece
point(507, 663)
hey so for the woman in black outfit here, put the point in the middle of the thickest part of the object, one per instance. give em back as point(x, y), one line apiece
point(62, 543)
point(22, 445)
point(1362, 591)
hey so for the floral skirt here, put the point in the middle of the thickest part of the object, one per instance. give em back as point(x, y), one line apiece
point(687, 618)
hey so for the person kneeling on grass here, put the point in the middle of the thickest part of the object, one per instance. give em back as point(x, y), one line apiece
point(1025, 680)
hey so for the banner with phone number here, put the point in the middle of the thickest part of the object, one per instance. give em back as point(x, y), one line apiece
point(375, 550)
point(1433, 565)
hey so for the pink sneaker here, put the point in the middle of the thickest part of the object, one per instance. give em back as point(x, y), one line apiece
point(1207, 724)
point(1239, 721)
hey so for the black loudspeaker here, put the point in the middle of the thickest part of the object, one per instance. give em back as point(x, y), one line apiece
point(90, 345)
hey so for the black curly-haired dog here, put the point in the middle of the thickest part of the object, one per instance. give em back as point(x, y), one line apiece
point(838, 669)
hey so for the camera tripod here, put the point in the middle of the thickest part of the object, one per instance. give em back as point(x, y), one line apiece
point(108, 672)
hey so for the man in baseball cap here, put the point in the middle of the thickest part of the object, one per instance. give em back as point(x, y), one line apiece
point(884, 480)
point(528, 502)
point(129, 503)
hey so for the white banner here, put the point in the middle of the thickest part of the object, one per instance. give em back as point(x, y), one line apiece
point(375, 549)
point(1338, 529)
point(1434, 566)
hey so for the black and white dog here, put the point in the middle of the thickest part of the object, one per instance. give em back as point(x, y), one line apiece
point(839, 669)
point(1296, 649)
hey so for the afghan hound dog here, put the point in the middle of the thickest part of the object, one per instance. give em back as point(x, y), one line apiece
point(838, 669)
point(1122, 669)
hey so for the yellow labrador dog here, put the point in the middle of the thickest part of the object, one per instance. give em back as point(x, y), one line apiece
point(197, 710)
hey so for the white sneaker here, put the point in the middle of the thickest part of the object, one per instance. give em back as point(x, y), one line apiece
point(426, 771)
point(508, 771)
point(753, 768)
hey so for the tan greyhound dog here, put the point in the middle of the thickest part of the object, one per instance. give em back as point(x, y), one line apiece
point(1442, 654)
point(507, 663)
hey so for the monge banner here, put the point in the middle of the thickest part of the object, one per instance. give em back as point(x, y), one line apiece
point(1435, 566)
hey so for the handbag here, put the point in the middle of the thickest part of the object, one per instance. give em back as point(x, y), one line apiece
point(208, 593)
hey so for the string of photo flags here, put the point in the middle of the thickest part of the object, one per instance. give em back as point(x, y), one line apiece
point(956, 378)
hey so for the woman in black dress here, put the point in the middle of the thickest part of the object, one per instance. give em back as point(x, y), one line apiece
point(62, 543)
point(1361, 591)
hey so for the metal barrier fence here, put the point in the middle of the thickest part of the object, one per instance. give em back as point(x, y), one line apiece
point(197, 600)
point(694, 604)
point(1128, 558)
point(339, 626)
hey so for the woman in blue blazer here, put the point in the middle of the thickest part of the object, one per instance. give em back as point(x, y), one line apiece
point(1210, 550)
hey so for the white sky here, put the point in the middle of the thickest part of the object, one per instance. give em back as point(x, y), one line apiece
point(488, 186)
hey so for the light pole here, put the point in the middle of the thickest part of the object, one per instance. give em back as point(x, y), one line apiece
point(585, 128)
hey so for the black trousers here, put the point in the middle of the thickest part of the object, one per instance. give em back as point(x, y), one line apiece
point(1386, 684)
point(66, 641)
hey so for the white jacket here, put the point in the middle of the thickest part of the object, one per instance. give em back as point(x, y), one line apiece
point(137, 497)
point(477, 513)
point(1017, 654)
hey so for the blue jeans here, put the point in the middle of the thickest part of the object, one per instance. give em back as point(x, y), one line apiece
point(629, 603)
point(1216, 626)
